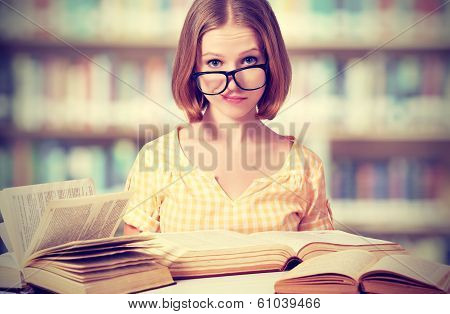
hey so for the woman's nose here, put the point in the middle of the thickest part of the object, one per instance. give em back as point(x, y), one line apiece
point(231, 83)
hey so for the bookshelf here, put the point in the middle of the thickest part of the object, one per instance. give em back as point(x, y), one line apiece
point(387, 217)
point(293, 46)
point(393, 105)
point(95, 137)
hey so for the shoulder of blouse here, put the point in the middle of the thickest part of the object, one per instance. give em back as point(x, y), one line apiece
point(159, 154)
point(306, 161)
point(311, 156)
point(304, 150)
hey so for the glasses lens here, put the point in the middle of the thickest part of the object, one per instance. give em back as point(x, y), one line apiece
point(214, 83)
point(252, 78)
point(211, 83)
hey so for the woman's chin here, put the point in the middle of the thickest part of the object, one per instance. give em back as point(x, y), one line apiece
point(237, 113)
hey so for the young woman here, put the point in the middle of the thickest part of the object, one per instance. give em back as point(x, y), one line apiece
point(225, 169)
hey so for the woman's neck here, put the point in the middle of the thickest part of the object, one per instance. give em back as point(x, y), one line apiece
point(217, 127)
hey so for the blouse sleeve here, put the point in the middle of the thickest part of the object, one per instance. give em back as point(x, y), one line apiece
point(143, 208)
point(318, 215)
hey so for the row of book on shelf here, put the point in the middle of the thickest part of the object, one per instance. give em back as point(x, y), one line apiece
point(376, 20)
point(59, 91)
point(141, 19)
point(53, 160)
point(385, 93)
point(60, 237)
point(65, 92)
point(394, 178)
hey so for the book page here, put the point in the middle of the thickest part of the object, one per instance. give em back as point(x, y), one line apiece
point(5, 237)
point(9, 272)
point(134, 241)
point(91, 217)
point(416, 268)
point(9, 260)
point(22, 207)
point(349, 263)
point(207, 240)
point(299, 239)
point(98, 263)
point(213, 240)
point(213, 247)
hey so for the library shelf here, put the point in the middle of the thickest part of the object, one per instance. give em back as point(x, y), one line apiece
point(393, 217)
point(390, 137)
point(376, 147)
point(65, 134)
point(164, 43)
point(75, 136)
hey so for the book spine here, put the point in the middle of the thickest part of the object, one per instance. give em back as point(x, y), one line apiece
point(393, 178)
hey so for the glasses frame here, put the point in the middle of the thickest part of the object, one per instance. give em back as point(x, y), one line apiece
point(263, 66)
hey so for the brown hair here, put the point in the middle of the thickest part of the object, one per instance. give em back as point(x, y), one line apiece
point(205, 15)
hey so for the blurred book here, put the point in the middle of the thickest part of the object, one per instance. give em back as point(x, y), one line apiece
point(57, 160)
point(74, 94)
point(406, 178)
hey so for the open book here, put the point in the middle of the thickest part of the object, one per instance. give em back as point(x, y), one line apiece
point(60, 236)
point(217, 252)
point(356, 271)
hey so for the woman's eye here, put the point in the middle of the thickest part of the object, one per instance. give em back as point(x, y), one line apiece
point(214, 63)
point(251, 59)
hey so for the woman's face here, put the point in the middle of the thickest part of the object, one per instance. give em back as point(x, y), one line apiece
point(224, 49)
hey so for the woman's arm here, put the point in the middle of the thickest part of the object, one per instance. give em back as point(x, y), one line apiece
point(319, 216)
point(142, 213)
point(129, 229)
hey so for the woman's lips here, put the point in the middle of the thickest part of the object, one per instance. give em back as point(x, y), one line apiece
point(233, 100)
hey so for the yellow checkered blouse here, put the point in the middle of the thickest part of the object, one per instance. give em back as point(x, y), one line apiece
point(170, 194)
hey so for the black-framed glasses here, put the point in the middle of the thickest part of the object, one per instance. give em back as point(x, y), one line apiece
point(216, 82)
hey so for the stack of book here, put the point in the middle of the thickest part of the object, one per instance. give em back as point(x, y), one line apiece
point(329, 261)
point(60, 237)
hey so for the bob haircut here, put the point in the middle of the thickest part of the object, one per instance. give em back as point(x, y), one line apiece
point(205, 15)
